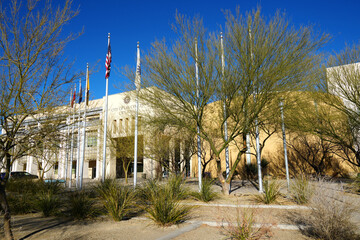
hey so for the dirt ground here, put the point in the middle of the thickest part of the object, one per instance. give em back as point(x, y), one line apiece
point(207, 221)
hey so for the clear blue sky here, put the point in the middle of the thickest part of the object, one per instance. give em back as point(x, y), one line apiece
point(145, 21)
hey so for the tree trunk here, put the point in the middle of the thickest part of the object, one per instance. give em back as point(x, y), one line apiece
point(7, 215)
point(3, 201)
point(225, 187)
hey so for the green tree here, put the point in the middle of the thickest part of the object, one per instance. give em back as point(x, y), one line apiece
point(336, 109)
point(33, 73)
point(263, 57)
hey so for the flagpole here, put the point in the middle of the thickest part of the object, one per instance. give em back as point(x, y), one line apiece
point(224, 106)
point(107, 64)
point(257, 137)
point(284, 142)
point(137, 84)
point(248, 153)
point(67, 142)
point(79, 140)
point(198, 117)
point(72, 141)
point(84, 129)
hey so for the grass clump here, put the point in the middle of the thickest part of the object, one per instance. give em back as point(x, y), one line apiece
point(81, 206)
point(330, 215)
point(162, 201)
point(244, 227)
point(118, 200)
point(47, 203)
point(21, 203)
point(301, 190)
point(206, 193)
point(177, 188)
point(165, 209)
point(271, 192)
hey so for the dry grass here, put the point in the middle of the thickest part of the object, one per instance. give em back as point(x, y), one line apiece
point(330, 215)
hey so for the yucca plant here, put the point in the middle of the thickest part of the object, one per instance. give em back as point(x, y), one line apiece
point(206, 193)
point(81, 206)
point(21, 203)
point(48, 203)
point(52, 186)
point(118, 200)
point(146, 190)
point(164, 209)
point(300, 190)
point(270, 194)
point(177, 187)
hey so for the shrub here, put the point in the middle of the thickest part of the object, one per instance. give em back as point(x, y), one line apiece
point(52, 186)
point(271, 192)
point(206, 194)
point(144, 192)
point(48, 203)
point(20, 185)
point(21, 203)
point(176, 186)
point(118, 200)
point(165, 209)
point(81, 206)
point(356, 183)
point(330, 215)
point(244, 227)
point(300, 190)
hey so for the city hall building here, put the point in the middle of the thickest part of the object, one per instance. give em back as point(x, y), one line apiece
point(120, 136)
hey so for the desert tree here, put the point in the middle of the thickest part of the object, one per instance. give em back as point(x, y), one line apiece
point(33, 75)
point(338, 116)
point(275, 57)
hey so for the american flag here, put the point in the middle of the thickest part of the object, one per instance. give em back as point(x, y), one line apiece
point(108, 60)
point(73, 98)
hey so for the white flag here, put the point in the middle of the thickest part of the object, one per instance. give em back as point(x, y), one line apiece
point(138, 70)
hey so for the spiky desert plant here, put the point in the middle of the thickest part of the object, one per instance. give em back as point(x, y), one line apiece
point(145, 191)
point(271, 192)
point(177, 187)
point(80, 205)
point(206, 193)
point(165, 209)
point(301, 190)
point(48, 203)
point(118, 200)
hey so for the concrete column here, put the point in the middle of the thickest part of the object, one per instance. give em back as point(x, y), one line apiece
point(98, 162)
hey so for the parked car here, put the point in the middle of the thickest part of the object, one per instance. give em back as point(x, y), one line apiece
point(20, 175)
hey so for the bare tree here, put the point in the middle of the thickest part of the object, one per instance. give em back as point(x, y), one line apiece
point(33, 73)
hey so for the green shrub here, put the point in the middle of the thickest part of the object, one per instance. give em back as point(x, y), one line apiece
point(300, 190)
point(206, 194)
point(164, 209)
point(48, 203)
point(177, 187)
point(118, 200)
point(81, 206)
point(271, 192)
point(356, 183)
point(53, 187)
point(22, 186)
point(21, 203)
point(145, 191)
point(245, 227)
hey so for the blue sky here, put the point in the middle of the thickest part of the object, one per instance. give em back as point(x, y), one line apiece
point(146, 21)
